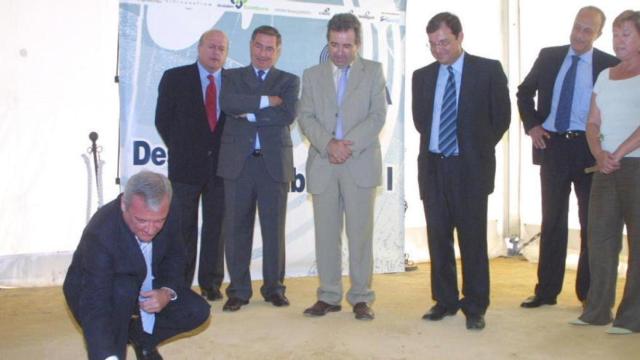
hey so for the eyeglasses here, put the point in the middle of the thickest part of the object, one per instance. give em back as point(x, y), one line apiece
point(440, 44)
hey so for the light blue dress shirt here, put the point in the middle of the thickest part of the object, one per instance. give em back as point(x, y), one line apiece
point(441, 83)
point(581, 93)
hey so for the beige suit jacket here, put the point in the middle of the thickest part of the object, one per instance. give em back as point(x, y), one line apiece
point(364, 112)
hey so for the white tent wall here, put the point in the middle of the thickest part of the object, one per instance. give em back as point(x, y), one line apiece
point(57, 65)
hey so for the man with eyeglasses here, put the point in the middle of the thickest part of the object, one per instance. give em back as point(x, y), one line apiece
point(256, 162)
point(461, 110)
point(556, 125)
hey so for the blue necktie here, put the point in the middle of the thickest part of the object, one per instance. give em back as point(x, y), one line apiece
point(148, 319)
point(563, 113)
point(342, 87)
point(448, 143)
point(260, 80)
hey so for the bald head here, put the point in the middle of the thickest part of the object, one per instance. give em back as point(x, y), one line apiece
point(213, 48)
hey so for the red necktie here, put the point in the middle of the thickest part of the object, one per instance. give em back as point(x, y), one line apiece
point(211, 103)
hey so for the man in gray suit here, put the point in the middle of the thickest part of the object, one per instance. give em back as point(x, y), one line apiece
point(256, 162)
point(342, 111)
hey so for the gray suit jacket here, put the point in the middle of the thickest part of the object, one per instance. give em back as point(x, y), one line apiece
point(364, 113)
point(240, 94)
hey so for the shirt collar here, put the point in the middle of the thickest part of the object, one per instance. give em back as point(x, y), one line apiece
point(335, 69)
point(457, 65)
point(204, 73)
point(586, 57)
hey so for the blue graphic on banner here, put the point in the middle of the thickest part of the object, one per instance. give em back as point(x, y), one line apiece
point(158, 35)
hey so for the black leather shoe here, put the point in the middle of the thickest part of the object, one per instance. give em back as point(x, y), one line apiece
point(536, 301)
point(137, 338)
point(475, 322)
point(321, 308)
point(277, 299)
point(144, 354)
point(363, 311)
point(438, 312)
point(234, 304)
point(211, 294)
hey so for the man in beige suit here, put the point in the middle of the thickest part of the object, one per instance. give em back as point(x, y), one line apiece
point(342, 111)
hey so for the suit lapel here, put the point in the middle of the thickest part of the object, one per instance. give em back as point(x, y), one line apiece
point(131, 249)
point(195, 91)
point(250, 78)
point(467, 85)
point(356, 74)
point(328, 85)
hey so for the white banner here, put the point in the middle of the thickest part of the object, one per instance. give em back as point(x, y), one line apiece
point(158, 35)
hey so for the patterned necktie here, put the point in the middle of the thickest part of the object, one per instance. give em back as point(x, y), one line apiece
point(211, 103)
point(342, 87)
point(148, 319)
point(448, 143)
point(563, 113)
point(261, 76)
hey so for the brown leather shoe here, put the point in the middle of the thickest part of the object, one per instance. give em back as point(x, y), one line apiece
point(363, 311)
point(321, 308)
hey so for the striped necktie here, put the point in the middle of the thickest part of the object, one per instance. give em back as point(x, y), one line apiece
point(448, 143)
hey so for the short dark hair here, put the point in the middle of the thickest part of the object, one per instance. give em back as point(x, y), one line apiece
point(344, 22)
point(628, 15)
point(596, 10)
point(267, 30)
point(446, 18)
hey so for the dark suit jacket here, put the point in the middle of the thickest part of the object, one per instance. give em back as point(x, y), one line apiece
point(541, 80)
point(181, 121)
point(107, 271)
point(484, 113)
point(241, 91)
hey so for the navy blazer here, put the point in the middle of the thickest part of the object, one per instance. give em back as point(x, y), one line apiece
point(103, 282)
point(181, 121)
point(484, 114)
point(540, 82)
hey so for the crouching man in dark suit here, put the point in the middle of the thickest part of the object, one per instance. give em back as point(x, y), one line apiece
point(126, 279)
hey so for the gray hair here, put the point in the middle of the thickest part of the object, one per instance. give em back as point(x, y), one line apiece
point(150, 186)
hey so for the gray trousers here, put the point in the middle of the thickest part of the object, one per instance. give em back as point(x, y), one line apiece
point(615, 202)
point(344, 200)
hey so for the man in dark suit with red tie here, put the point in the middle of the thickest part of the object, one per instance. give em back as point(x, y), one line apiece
point(461, 109)
point(562, 78)
point(190, 122)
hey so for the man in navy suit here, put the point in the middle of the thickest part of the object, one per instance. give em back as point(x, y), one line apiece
point(461, 110)
point(126, 279)
point(562, 153)
point(189, 120)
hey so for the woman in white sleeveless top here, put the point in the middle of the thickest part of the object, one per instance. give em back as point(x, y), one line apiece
point(613, 134)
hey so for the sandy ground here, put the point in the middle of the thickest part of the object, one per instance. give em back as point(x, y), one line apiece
point(35, 324)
